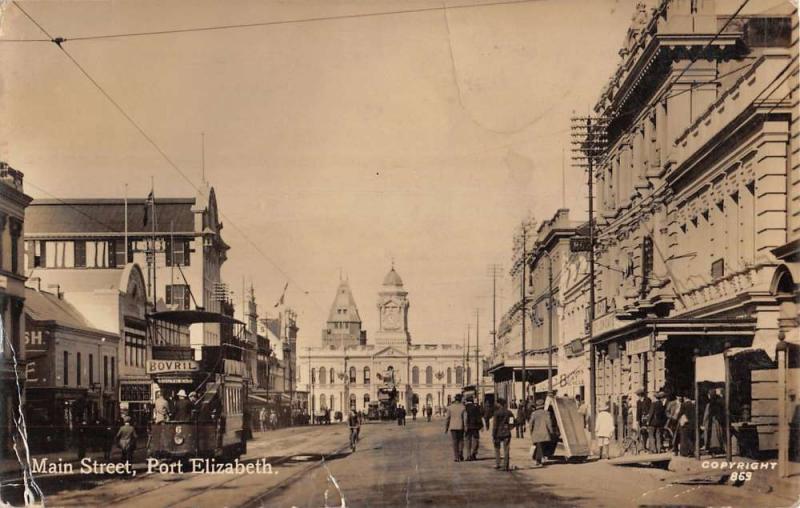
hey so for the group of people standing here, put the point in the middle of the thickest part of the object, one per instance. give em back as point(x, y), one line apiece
point(465, 421)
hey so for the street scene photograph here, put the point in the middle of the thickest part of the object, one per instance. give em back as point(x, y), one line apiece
point(399, 253)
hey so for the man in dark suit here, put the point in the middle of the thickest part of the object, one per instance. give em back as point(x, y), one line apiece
point(656, 420)
point(454, 423)
point(643, 404)
point(501, 434)
point(473, 427)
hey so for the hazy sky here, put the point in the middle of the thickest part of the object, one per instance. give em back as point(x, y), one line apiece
point(334, 144)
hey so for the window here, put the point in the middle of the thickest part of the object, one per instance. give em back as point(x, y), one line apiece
point(449, 375)
point(80, 253)
point(353, 401)
point(178, 294)
point(322, 402)
point(415, 375)
point(14, 253)
point(647, 265)
point(428, 375)
point(322, 376)
point(366, 400)
point(105, 371)
point(469, 375)
point(66, 368)
point(119, 253)
point(332, 378)
point(78, 373)
point(91, 369)
point(718, 269)
point(113, 365)
point(134, 349)
point(177, 252)
point(366, 375)
point(459, 375)
point(313, 376)
point(352, 374)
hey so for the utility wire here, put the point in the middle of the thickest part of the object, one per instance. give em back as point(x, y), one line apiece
point(155, 145)
point(273, 23)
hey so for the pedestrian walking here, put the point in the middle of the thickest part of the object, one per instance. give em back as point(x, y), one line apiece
point(604, 430)
point(501, 435)
point(262, 418)
point(520, 419)
point(429, 412)
point(454, 423)
point(473, 425)
point(83, 431)
point(126, 439)
point(273, 419)
point(541, 431)
point(414, 413)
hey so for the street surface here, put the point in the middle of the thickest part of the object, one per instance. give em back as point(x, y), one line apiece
point(392, 466)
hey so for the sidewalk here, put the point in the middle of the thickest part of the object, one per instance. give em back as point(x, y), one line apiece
point(681, 469)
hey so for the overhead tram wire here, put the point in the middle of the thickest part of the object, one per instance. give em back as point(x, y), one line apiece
point(163, 154)
point(239, 26)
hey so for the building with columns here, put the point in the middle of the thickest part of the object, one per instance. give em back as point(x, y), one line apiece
point(697, 195)
point(13, 202)
point(348, 374)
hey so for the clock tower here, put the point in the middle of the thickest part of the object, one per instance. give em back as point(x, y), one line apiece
point(393, 312)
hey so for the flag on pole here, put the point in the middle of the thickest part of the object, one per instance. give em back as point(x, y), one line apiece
point(148, 203)
point(283, 295)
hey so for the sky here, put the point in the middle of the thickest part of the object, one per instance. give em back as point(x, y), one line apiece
point(335, 145)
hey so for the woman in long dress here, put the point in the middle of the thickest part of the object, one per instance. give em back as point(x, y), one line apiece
point(712, 418)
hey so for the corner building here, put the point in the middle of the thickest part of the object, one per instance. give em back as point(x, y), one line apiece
point(694, 193)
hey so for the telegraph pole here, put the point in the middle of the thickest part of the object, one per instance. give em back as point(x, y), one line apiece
point(477, 351)
point(494, 271)
point(589, 140)
point(523, 302)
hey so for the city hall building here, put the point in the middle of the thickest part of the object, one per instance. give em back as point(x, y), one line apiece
point(346, 371)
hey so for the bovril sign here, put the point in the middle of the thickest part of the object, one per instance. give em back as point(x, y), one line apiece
point(156, 366)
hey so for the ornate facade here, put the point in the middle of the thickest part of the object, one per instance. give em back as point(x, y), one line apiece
point(693, 193)
point(338, 376)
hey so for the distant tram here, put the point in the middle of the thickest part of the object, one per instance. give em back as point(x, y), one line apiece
point(217, 427)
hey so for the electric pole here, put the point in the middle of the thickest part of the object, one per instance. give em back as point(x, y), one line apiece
point(589, 142)
point(494, 271)
point(523, 303)
point(477, 352)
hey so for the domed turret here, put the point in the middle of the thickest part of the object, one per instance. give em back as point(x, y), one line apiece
point(392, 279)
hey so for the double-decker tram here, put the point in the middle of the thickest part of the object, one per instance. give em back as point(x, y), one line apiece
point(212, 423)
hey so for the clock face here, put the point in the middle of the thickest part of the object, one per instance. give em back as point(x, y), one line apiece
point(391, 317)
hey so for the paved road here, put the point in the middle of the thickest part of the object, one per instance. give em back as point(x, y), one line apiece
point(393, 466)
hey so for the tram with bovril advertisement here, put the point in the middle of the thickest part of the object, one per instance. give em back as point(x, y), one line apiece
point(212, 424)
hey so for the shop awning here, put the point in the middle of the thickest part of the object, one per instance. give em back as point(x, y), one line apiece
point(256, 397)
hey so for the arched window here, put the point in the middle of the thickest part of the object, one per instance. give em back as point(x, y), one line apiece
point(415, 375)
point(331, 400)
point(449, 398)
point(429, 375)
point(366, 400)
point(322, 376)
point(459, 375)
point(332, 378)
point(429, 400)
point(449, 375)
point(352, 374)
point(313, 376)
point(352, 401)
point(469, 375)
point(322, 402)
point(366, 375)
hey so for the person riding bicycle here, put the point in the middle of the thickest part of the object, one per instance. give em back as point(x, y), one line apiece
point(354, 422)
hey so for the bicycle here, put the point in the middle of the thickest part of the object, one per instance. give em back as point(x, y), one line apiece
point(353, 438)
point(632, 443)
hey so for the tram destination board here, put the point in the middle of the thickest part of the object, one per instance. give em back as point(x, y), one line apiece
point(134, 392)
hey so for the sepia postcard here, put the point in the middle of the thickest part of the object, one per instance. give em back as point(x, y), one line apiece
point(394, 253)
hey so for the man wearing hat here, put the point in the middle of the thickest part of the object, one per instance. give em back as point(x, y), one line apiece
point(541, 430)
point(473, 425)
point(126, 439)
point(655, 423)
point(183, 408)
point(454, 423)
point(643, 404)
point(604, 430)
point(161, 408)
